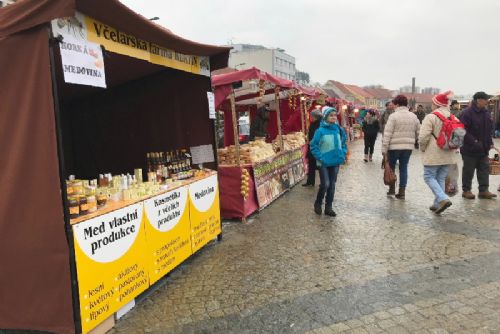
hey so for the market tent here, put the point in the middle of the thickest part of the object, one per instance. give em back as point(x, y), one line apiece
point(248, 96)
point(222, 84)
point(35, 281)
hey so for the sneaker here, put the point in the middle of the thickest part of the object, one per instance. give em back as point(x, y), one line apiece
point(486, 195)
point(317, 208)
point(443, 205)
point(468, 195)
point(330, 212)
point(308, 185)
point(432, 208)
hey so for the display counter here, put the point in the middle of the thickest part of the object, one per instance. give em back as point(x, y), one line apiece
point(124, 248)
point(268, 180)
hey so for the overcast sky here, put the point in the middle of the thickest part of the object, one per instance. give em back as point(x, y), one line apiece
point(450, 44)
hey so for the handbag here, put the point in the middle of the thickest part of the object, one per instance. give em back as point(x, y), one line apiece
point(389, 175)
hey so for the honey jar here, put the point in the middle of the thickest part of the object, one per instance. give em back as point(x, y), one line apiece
point(84, 207)
point(101, 200)
point(74, 207)
point(92, 203)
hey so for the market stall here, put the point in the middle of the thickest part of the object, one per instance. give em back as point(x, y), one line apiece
point(253, 175)
point(106, 115)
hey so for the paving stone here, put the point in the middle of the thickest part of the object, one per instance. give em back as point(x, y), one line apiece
point(380, 262)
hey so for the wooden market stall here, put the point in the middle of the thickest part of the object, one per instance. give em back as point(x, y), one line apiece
point(89, 89)
point(255, 174)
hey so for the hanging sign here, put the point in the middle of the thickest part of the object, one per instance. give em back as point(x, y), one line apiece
point(82, 27)
point(82, 62)
point(110, 263)
point(211, 105)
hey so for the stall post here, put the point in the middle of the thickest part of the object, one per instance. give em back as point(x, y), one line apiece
point(277, 99)
point(235, 128)
point(302, 118)
point(306, 117)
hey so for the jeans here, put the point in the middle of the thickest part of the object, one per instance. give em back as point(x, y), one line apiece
point(435, 177)
point(483, 172)
point(403, 156)
point(370, 143)
point(497, 133)
point(328, 178)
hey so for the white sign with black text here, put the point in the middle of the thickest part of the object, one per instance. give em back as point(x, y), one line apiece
point(82, 62)
point(211, 105)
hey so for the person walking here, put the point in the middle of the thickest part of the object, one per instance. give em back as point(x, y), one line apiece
point(400, 134)
point(455, 109)
point(311, 161)
point(329, 147)
point(451, 183)
point(477, 144)
point(420, 113)
point(389, 109)
point(436, 160)
point(371, 127)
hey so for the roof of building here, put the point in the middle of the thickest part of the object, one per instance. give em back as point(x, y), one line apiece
point(331, 93)
point(379, 93)
point(359, 91)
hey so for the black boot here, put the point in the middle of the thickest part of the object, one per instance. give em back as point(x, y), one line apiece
point(401, 193)
point(317, 208)
point(330, 212)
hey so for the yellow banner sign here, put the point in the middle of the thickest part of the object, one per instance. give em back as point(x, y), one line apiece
point(205, 211)
point(167, 231)
point(86, 28)
point(111, 270)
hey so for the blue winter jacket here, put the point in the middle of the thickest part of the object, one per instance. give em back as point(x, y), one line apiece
point(329, 145)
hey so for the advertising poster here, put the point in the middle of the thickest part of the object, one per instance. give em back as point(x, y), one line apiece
point(168, 232)
point(110, 261)
point(273, 178)
point(205, 211)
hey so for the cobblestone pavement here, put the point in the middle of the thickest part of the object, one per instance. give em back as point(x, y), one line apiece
point(381, 266)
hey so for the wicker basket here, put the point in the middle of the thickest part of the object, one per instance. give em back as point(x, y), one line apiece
point(494, 167)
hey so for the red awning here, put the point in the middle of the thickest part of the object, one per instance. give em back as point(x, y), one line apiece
point(222, 83)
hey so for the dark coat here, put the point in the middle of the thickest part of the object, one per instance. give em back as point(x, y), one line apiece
point(371, 130)
point(478, 124)
point(310, 135)
point(258, 128)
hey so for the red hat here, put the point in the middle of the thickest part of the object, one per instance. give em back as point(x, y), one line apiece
point(443, 99)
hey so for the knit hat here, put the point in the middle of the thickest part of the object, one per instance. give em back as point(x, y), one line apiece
point(443, 99)
point(327, 110)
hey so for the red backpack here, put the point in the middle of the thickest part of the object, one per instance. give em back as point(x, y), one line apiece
point(452, 133)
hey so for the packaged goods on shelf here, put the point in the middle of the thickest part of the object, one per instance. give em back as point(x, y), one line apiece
point(252, 152)
point(291, 141)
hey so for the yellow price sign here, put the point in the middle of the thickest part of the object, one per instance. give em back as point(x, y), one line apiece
point(111, 270)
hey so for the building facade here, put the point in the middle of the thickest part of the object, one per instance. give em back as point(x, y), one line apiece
point(431, 90)
point(274, 61)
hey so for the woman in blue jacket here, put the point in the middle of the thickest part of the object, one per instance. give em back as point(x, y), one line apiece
point(329, 148)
